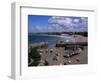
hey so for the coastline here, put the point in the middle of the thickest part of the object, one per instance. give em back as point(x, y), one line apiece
point(69, 38)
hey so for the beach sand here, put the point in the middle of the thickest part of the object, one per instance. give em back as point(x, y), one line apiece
point(55, 56)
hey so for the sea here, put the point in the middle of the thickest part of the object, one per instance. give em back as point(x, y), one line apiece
point(51, 39)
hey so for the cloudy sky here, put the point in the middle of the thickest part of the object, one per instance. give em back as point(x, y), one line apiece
point(37, 23)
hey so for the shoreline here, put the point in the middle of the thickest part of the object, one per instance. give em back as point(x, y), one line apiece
point(69, 38)
point(63, 53)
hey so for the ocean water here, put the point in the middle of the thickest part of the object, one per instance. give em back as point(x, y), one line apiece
point(51, 39)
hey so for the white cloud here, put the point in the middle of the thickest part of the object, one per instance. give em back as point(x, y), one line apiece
point(76, 20)
point(38, 29)
point(60, 23)
point(68, 23)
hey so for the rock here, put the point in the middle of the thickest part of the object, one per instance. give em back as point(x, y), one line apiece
point(77, 59)
point(69, 62)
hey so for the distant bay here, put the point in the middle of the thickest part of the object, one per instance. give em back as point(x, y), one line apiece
point(51, 39)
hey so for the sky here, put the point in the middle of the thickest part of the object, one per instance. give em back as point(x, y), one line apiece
point(40, 23)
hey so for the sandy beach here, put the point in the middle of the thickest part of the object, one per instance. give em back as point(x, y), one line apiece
point(74, 54)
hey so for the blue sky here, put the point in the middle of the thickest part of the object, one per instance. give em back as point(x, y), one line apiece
point(39, 23)
point(38, 20)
